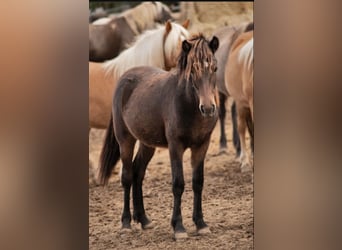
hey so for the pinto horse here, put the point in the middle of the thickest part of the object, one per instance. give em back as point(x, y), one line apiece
point(225, 35)
point(239, 82)
point(159, 48)
point(177, 110)
point(108, 37)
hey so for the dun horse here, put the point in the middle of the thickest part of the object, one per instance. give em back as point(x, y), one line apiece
point(109, 38)
point(239, 82)
point(159, 48)
point(225, 35)
point(176, 109)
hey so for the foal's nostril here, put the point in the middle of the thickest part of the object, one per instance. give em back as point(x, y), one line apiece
point(213, 108)
point(202, 109)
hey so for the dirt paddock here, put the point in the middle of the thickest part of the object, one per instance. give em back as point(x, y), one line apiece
point(227, 203)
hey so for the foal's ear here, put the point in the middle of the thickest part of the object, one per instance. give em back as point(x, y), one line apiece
point(214, 44)
point(168, 26)
point(186, 46)
point(186, 23)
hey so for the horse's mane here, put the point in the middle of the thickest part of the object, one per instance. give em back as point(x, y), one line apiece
point(249, 27)
point(192, 63)
point(241, 29)
point(142, 16)
point(147, 49)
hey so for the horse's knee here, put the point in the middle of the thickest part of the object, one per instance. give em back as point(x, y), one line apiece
point(178, 187)
point(197, 185)
point(126, 178)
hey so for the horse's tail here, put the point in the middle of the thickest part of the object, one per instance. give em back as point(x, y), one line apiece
point(110, 154)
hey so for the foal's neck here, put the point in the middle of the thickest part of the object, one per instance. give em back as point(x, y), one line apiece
point(189, 100)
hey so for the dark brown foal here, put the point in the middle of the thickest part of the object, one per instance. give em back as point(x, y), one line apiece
point(176, 109)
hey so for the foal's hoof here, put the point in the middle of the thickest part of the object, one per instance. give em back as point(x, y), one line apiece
point(148, 225)
point(126, 230)
point(245, 168)
point(203, 231)
point(223, 151)
point(181, 235)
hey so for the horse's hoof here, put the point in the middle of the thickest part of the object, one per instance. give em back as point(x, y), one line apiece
point(223, 151)
point(245, 168)
point(203, 231)
point(149, 225)
point(181, 235)
point(126, 230)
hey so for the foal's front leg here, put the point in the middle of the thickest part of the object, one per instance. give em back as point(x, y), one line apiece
point(176, 156)
point(197, 162)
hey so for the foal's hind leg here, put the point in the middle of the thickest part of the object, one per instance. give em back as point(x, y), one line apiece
point(244, 156)
point(126, 154)
point(197, 161)
point(140, 163)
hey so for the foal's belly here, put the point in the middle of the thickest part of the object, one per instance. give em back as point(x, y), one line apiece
point(148, 130)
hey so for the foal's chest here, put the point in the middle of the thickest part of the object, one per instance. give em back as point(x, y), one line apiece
point(197, 132)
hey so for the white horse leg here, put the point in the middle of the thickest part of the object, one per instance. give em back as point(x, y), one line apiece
point(252, 114)
point(244, 156)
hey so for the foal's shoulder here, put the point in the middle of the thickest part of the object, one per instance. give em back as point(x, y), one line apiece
point(145, 70)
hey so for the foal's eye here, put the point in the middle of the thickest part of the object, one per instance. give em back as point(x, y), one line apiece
point(215, 69)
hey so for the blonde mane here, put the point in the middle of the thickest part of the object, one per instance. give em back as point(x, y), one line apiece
point(147, 50)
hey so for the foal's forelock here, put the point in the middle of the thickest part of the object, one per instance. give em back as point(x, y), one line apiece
point(200, 59)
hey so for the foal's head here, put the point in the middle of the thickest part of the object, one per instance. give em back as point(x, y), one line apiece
point(198, 66)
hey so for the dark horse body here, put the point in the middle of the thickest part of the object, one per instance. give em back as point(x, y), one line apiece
point(108, 40)
point(174, 109)
point(225, 35)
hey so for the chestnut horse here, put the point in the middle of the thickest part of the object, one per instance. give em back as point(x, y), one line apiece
point(225, 35)
point(177, 110)
point(159, 48)
point(239, 82)
point(110, 37)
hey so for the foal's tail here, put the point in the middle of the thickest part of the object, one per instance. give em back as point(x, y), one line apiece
point(110, 154)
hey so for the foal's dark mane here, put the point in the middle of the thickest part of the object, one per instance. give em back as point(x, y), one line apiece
point(192, 62)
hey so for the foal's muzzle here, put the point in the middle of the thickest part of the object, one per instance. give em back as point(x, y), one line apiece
point(207, 110)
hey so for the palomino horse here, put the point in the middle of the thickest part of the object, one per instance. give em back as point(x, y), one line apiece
point(175, 109)
point(225, 36)
point(159, 48)
point(239, 82)
point(109, 38)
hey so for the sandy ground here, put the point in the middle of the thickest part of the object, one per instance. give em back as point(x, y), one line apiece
point(227, 203)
